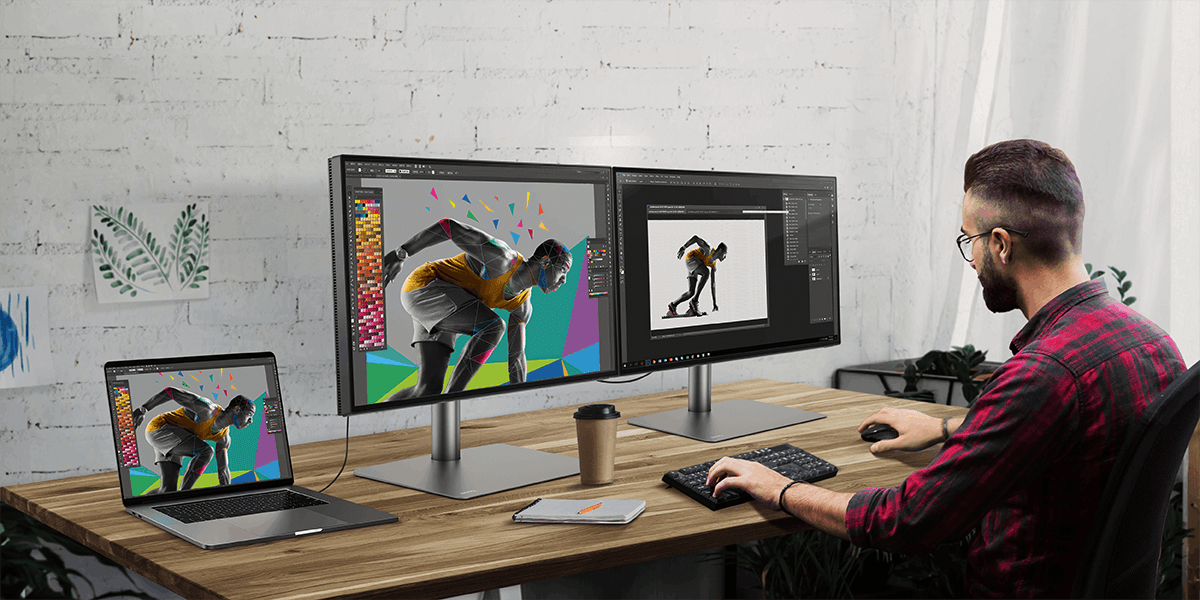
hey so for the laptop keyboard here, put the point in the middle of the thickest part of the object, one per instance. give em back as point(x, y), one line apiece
point(237, 506)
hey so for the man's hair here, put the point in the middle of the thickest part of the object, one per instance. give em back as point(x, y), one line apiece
point(239, 401)
point(1034, 188)
point(721, 248)
point(553, 250)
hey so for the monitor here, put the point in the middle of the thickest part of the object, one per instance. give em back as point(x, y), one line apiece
point(716, 266)
point(458, 279)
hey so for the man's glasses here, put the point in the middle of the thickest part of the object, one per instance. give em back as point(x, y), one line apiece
point(964, 240)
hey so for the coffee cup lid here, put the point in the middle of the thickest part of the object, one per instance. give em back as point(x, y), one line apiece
point(592, 412)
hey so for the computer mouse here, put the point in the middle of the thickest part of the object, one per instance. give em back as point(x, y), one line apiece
point(879, 432)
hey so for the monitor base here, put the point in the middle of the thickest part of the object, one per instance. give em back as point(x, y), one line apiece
point(725, 420)
point(480, 471)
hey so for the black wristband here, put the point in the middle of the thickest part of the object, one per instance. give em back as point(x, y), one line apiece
point(945, 429)
point(781, 493)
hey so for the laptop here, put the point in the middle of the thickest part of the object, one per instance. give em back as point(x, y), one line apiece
point(202, 452)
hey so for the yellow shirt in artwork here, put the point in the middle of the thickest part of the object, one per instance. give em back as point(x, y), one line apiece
point(179, 418)
point(456, 270)
point(699, 255)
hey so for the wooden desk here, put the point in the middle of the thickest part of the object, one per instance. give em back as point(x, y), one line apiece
point(443, 547)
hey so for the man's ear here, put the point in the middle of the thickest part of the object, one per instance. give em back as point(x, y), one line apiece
point(1005, 243)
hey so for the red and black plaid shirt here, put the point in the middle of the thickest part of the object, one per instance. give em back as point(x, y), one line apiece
point(1027, 467)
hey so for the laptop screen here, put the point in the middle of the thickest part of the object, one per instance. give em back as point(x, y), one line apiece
point(187, 426)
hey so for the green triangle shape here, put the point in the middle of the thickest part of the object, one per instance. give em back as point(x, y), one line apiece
point(472, 216)
point(409, 381)
point(385, 380)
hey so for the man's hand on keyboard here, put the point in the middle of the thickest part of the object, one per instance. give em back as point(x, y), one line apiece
point(759, 481)
point(917, 430)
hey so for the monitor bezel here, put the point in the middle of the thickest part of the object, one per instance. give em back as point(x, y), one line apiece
point(343, 299)
point(757, 351)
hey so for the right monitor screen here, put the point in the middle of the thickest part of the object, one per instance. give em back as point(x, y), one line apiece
point(716, 266)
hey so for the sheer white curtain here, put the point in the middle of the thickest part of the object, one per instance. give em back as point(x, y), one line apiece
point(1093, 78)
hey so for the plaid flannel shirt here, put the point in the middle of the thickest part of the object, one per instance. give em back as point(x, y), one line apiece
point(1027, 467)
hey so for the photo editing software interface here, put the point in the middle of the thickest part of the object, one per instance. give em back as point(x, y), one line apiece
point(168, 425)
point(462, 277)
point(717, 266)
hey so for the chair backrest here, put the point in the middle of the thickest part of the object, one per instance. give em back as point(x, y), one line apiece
point(1121, 558)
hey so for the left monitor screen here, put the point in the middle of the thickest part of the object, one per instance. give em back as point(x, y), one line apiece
point(455, 279)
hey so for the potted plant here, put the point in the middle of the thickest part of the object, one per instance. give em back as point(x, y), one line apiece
point(953, 376)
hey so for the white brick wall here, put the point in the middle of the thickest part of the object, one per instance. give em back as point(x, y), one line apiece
point(240, 104)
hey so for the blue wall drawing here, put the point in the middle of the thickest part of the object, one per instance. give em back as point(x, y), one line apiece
point(24, 337)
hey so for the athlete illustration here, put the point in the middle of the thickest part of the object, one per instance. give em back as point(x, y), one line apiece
point(458, 296)
point(187, 430)
point(701, 266)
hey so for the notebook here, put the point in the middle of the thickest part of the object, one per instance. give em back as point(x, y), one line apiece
point(557, 510)
point(202, 452)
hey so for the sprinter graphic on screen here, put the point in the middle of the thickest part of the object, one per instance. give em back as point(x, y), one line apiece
point(459, 296)
point(701, 266)
point(186, 431)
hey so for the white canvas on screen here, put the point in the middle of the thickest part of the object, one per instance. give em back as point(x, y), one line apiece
point(741, 277)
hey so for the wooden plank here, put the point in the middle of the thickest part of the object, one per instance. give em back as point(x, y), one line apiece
point(443, 547)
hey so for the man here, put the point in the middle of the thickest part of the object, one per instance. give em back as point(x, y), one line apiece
point(1024, 470)
point(187, 430)
point(701, 265)
point(457, 296)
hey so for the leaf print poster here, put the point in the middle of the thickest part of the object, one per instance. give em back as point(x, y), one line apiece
point(150, 252)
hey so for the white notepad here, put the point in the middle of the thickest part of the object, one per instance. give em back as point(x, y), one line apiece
point(604, 512)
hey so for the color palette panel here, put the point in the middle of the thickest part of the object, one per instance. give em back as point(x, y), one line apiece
point(128, 451)
point(368, 236)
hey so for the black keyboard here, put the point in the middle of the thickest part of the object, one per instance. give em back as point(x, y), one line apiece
point(785, 459)
point(237, 506)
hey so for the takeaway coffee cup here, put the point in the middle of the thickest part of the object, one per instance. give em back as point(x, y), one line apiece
point(596, 429)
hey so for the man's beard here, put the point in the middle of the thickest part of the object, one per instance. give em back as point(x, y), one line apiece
point(999, 292)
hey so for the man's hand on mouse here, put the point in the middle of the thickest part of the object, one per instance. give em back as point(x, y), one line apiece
point(917, 430)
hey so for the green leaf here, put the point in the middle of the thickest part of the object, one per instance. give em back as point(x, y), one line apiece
point(1097, 274)
point(1120, 275)
point(1130, 300)
point(1088, 266)
point(1125, 287)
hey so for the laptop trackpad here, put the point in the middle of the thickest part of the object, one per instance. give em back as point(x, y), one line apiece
point(285, 522)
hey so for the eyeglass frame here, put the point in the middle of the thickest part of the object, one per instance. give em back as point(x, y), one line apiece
point(966, 238)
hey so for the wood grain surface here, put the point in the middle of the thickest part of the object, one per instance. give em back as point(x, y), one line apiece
point(442, 547)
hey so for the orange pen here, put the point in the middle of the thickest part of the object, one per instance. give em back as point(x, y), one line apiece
point(589, 509)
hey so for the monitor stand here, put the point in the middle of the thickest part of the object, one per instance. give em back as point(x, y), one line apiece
point(472, 472)
point(708, 422)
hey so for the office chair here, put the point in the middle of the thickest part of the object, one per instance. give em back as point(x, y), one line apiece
point(1121, 558)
